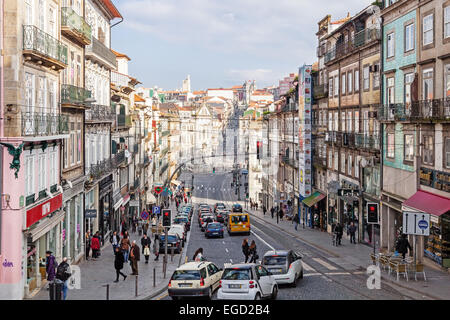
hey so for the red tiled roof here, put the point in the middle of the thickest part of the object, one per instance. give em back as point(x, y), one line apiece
point(138, 98)
point(120, 55)
point(112, 9)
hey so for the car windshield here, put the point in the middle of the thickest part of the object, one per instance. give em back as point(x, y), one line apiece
point(214, 226)
point(172, 238)
point(236, 274)
point(237, 219)
point(186, 275)
point(274, 260)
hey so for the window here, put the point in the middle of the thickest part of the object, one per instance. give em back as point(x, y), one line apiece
point(446, 22)
point(29, 91)
point(366, 78)
point(336, 86)
point(350, 165)
point(447, 82)
point(427, 84)
point(356, 80)
point(390, 45)
point(330, 159)
point(409, 78)
point(428, 150)
point(336, 121)
point(390, 145)
point(409, 37)
point(376, 77)
point(336, 161)
point(349, 121)
point(344, 77)
point(356, 121)
point(41, 13)
point(350, 82)
point(447, 152)
point(428, 32)
point(28, 12)
point(42, 174)
point(330, 121)
point(390, 92)
point(78, 142)
point(343, 158)
point(66, 153)
point(29, 176)
point(408, 147)
point(357, 160)
point(343, 121)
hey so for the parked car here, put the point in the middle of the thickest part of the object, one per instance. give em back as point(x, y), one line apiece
point(214, 229)
point(285, 265)
point(194, 279)
point(247, 281)
point(173, 241)
point(179, 229)
point(219, 206)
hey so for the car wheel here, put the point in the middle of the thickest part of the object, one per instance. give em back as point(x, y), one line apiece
point(258, 296)
point(301, 275)
point(209, 293)
point(274, 293)
point(294, 283)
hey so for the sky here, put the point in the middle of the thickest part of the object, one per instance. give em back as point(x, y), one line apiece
point(221, 43)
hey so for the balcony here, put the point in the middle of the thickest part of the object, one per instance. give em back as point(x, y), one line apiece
point(165, 133)
point(289, 161)
point(435, 179)
point(319, 161)
point(348, 139)
point(41, 48)
point(360, 39)
point(43, 124)
point(124, 121)
point(100, 113)
point(367, 142)
point(102, 168)
point(74, 95)
point(75, 27)
point(424, 110)
point(100, 53)
point(320, 91)
point(118, 159)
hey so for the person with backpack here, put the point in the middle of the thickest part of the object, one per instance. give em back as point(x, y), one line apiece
point(63, 274)
point(95, 245)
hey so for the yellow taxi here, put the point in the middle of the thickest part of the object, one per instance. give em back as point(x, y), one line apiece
point(238, 222)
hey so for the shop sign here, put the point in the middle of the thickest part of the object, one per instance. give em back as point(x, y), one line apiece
point(417, 223)
point(90, 213)
point(44, 209)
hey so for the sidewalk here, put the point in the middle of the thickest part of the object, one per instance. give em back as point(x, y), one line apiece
point(95, 274)
point(357, 256)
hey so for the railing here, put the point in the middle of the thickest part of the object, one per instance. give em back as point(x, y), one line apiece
point(321, 50)
point(361, 38)
point(98, 48)
point(99, 112)
point(165, 133)
point(44, 124)
point(124, 120)
point(119, 158)
point(291, 106)
point(74, 94)
point(348, 139)
point(37, 40)
point(318, 160)
point(102, 168)
point(320, 91)
point(119, 79)
point(368, 142)
point(69, 18)
point(437, 109)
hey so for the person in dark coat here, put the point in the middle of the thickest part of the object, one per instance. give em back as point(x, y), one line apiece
point(145, 243)
point(252, 252)
point(50, 265)
point(264, 209)
point(118, 264)
point(135, 256)
point(88, 244)
point(156, 247)
point(95, 245)
point(245, 249)
point(403, 245)
point(272, 211)
point(340, 232)
point(352, 231)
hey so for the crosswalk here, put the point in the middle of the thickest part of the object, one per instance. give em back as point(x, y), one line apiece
point(319, 267)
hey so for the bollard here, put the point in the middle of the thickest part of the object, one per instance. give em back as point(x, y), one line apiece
point(136, 287)
point(171, 255)
point(154, 277)
point(107, 292)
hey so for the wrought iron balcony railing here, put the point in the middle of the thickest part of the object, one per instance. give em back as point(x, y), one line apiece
point(99, 112)
point(124, 120)
point(437, 109)
point(320, 91)
point(44, 124)
point(102, 168)
point(74, 95)
point(368, 142)
point(165, 133)
point(99, 50)
point(41, 46)
point(75, 26)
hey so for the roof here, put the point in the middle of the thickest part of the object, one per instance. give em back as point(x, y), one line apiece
point(193, 265)
point(120, 55)
point(344, 20)
point(277, 252)
point(138, 98)
point(111, 9)
point(199, 92)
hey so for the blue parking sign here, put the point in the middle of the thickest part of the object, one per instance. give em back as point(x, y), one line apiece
point(157, 210)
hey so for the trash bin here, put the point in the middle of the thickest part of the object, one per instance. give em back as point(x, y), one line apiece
point(56, 289)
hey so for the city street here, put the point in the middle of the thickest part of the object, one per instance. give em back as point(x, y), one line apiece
point(325, 277)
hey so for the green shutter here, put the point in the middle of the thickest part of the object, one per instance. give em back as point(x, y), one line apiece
point(114, 147)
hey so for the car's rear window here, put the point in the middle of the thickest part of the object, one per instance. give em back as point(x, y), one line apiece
point(213, 225)
point(237, 219)
point(169, 238)
point(186, 275)
point(208, 219)
point(236, 274)
point(274, 260)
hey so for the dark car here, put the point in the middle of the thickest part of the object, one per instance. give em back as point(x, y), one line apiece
point(173, 241)
point(219, 206)
point(214, 230)
point(221, 216)
point(236, 208)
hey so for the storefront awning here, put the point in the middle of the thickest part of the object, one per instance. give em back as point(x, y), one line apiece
point(46, 224)
point(150, 198)
point(429, 203)
point(313, 199)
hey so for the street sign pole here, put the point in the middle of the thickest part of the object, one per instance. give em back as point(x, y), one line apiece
point(165, 251)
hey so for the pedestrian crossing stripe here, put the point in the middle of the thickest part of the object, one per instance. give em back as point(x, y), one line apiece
point(337, 273)
point(325, 264)
point(307, 267)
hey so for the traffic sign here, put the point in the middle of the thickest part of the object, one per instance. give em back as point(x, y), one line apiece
point(144, 215)
point(167, 213)
point(244, 171)
point(156, 210)
point(417, 223)
point(158, 189)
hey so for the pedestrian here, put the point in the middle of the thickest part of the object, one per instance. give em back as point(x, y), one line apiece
point(145, 227)
point(281, 213)
point(252, 252)
point(403, 245)
point(125, 246)
point(140, 225)
point(156, 247)
point(114, 239)
point(264, 209)
point(88, 244)
point(272, 210)
point(145, 243)
point(134, 224)
point(95, 245)
point(296, 221)
point(352, 231)
point(135, 256)
point(63, 274)
point(256, 205)
point(50, 265)
point(118, 264)
point(198, 255)
point(340, 232)
point(245, 249)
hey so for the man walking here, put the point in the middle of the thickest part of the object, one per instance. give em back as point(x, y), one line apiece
point(340, 232)
point(264, 209)
point(135, 256)
point(403, 245)
point(63, 274)
point(272, 210)
point(115, 239)
point(95, 245)
point(50, 265)
point(352, 231)
point(145, 242)
point(296, 221)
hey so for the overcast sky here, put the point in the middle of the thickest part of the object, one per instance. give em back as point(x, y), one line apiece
point(221, 43)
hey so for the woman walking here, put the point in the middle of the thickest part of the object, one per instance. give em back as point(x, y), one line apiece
point(125, 246)
point(118, 264)
point(198, 255)
point(252, 252)
point(245, 249)
point(95, 245)
point(156, 247)
point(145, 242)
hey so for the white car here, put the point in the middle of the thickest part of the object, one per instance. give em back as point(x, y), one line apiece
point(205, 221)
point(194, 279)
point(178, 229)
point(247, 281)
point(285, 265)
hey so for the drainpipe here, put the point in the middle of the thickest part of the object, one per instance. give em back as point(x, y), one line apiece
point(381, 129)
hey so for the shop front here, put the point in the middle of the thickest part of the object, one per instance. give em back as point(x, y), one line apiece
point(72, 229)
point(315, 206)
point(42, 234)
point(437, 244)
point(106, 218)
